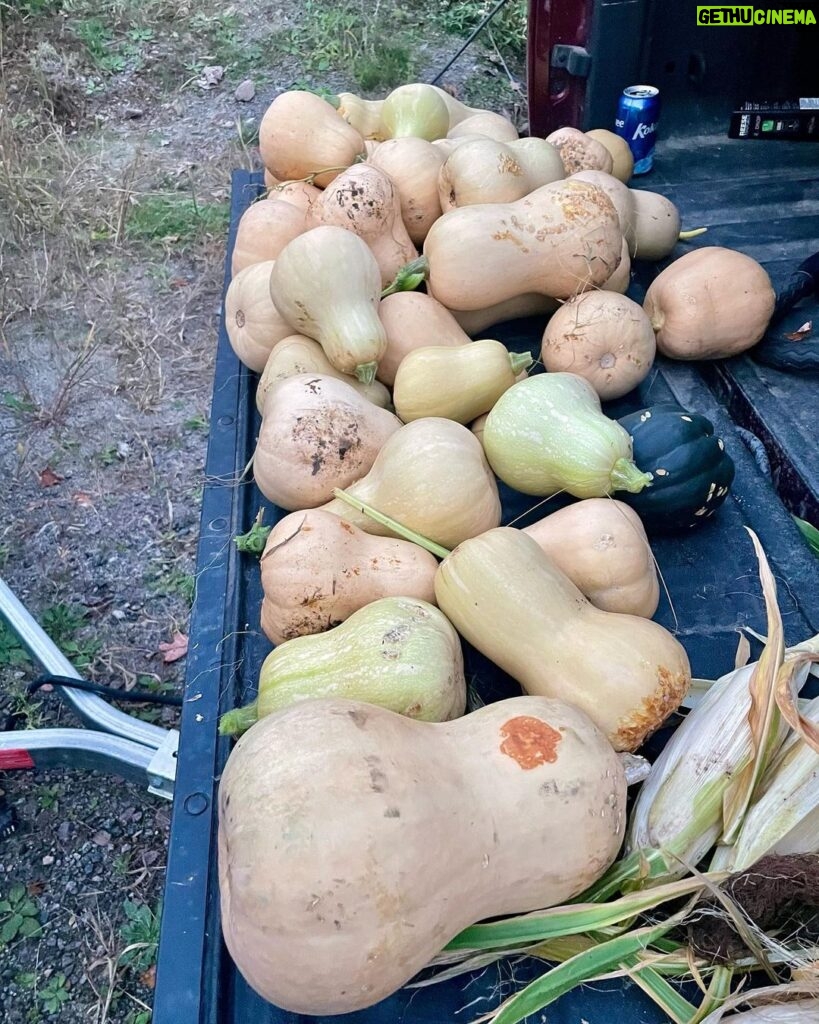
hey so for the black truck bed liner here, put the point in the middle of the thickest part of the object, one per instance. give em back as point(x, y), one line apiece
point(751, 200)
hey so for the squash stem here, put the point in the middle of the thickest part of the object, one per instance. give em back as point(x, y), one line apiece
point(392, 524)
point(520, 361)
point(239, 720)
point(625, 476)
point(365, 372)
point(409, 277)
point(692, 233)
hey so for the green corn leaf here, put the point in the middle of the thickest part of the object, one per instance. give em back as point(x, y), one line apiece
point(585, 967)
point(664, 995)
point(809, 532)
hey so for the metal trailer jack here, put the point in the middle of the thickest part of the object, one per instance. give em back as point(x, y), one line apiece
point(111, 740)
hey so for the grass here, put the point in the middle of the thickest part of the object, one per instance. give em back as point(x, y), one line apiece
point(174, 217)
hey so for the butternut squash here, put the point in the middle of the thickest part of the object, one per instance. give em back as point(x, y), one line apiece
point(601, 546)
point(317, 434)
point(485, 171)
point(621, 155)
point(318, 569)
point(270, 179)
point(474, 321)
point(656, 225)
point(548, 434)
point(603, 337)
point(580, 152)
point(364, 200)
point(559, 240)
point(457, 111)
point(297, 354)
point(508, 599)
point(302, 136)
point(413, 165)
point(433, 477)
point(363, 115)
point(414, 320)
point(327, 285)
point(264, 230)
point(457, 383)
point(397, 652)
point(711, 303)
point(347, 862)
point(415, 109)
point(486, 123)
point(252, 322)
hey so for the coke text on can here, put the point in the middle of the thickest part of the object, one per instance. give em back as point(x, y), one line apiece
point(638, 114)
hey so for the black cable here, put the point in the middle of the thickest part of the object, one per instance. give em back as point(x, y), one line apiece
point(469, 41)
point(132, 696)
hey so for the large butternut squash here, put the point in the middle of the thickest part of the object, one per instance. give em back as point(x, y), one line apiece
point(413, 320)
point(363, 115)
point(600, 544)
point(317, 433)
point(559, 240)
point(301, 135)
point(354, 843)
point(621, 155)
point(364, 200)
point(580, 152)
point(318, 569)
point(254, 325)
point(474, 321)
point(415, 110)
point(431, 476)
point(327, 285)
point(508, 599)
point(486, 123)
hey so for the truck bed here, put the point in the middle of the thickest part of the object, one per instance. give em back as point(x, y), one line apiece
point(761, 198)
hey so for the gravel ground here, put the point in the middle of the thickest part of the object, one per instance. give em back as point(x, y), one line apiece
point(109, 308)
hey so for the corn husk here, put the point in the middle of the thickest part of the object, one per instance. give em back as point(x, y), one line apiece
point(784, 817)
point(777, 1004)
point(701, 786)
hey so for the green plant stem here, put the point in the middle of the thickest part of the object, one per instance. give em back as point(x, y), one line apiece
point(392, 524)
point(625, 476)
point(365, 372)
point(239, 720)
point(520, 361)
point(409, 277)
point(692, 233)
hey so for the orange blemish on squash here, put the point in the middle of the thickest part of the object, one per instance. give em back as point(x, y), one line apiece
point(529, 741)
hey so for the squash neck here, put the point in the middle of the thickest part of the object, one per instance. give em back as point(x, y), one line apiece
point(625, 476)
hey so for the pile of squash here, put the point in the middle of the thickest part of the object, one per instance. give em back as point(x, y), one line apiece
point(364, 817)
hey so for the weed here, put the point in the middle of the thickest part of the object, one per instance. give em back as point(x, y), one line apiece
point(139, 1017)
point(19, 916)
point(140, 933)
point(12, 654)
point(24, 406)
point(62, 623)
point(48, 797)
point(108, 455)
point(174, 217)
point(121, 864)
point(26, 979)
point(22, 709)
point(175, 581)
point(54, 993)
point(197, 422)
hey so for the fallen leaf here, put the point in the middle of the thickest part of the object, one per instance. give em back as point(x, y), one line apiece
point(36, 888)
point(176, 649)
point(148, 978)
point(803, 332)
point(83, 498)
point(48, 478)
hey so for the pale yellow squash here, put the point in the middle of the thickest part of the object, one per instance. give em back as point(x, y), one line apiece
point(414, 320)
point(485, 123)
point(621, 155)
point(348, 861)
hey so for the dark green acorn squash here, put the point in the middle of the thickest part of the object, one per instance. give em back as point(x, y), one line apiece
point(691, 469)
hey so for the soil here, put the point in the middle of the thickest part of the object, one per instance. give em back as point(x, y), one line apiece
point(108, 325)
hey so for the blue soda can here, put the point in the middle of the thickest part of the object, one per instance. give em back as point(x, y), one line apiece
point(638, 114)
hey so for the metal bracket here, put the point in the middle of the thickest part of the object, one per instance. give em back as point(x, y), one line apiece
point(162, 767)
point(575, 59)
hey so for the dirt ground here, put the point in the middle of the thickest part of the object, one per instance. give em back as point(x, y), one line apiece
point(117, 139)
